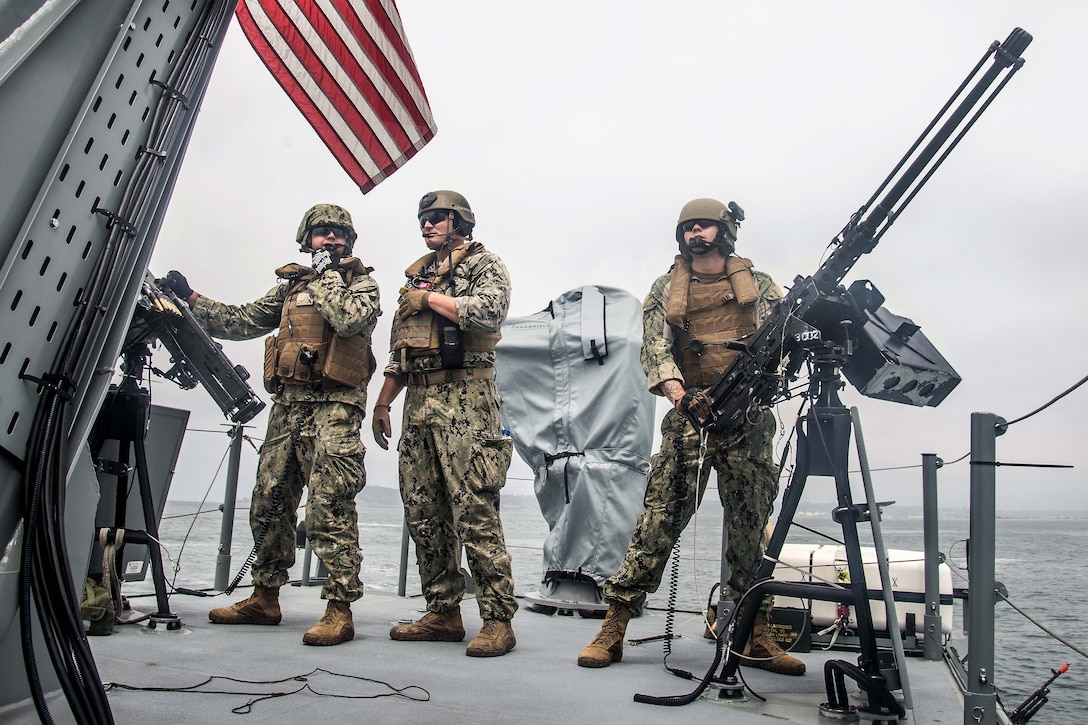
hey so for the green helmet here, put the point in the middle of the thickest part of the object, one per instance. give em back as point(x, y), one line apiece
point(728, 218)
point(452, 201)
point(324, 215)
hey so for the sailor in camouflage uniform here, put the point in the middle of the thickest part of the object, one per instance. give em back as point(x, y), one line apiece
point(317, 367)
point(453, 453)
point(708, 298)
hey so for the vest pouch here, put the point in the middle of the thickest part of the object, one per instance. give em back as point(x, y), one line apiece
point(451, 344)
point(347, 364)
point(296, 363)
point(271, 380)
point(300, 363)
point(311, 360)
point(287, 360)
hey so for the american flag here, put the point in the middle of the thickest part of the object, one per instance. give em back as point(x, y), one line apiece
point(346, 64)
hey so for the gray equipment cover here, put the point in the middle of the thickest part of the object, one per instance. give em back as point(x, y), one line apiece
point(576, 404)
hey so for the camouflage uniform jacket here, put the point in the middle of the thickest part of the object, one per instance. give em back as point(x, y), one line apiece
point(657, 337)
point(482, 294)
point(349, 310)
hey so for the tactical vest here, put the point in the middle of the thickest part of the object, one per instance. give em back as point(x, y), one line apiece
point(703, 315)
point(417, 335)
point(306, 349)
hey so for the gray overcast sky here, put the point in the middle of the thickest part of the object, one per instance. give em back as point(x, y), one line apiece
point(577, 130)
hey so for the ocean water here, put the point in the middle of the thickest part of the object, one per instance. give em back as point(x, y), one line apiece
point(1037, 560)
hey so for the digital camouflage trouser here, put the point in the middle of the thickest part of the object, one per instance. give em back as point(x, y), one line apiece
point(453, 463)
point(317, 446)
point(747, 486)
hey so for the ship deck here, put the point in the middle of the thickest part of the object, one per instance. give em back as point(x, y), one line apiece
point(374, 678)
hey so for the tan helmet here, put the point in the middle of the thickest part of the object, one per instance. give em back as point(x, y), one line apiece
point(712, 210)
point(324, 215)
point(451, 201)
point(727, 218)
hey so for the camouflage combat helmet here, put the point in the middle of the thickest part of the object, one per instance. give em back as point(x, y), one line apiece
point(464, 219)
point(728, 218)
point(324, 215)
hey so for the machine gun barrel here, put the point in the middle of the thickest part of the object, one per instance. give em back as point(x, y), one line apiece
point(860, 236)
point(757, 377)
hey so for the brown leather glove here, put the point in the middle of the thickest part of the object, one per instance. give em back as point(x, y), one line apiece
point(695, 404)
point(381, 425)
point(413, 301)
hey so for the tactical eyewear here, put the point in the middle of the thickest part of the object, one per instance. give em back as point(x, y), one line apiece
point(338, 232)
point(701, 223)
point(433, 217)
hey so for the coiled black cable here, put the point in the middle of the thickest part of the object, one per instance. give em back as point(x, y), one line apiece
point(680, 494)
point(670, 614)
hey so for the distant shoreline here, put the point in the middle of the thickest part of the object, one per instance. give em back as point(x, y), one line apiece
point(387, 496)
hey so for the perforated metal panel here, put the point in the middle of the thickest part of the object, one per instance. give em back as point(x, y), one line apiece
point(81, 92)
point(80, 178)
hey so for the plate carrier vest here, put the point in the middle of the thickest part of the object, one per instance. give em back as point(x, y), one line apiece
point(306, 349)
point(706, 314)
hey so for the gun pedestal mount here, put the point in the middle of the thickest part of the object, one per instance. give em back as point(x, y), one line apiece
point(823, 447)
point(124, 417)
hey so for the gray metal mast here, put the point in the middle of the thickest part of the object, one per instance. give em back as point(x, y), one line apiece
point(97, 104)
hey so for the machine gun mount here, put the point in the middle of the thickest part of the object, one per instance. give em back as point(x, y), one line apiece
point(889, 358)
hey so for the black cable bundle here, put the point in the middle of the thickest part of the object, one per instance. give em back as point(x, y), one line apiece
point(45, 579)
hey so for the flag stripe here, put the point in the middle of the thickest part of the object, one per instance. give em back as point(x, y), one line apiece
point(298, 84)
point(347, 67)
point(378, 42)
point(372, 82)
point(384, 13)
point(352, 165)
point(326, 66)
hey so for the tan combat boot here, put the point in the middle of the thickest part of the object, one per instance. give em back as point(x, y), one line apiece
point(334, 627)
point(766, 654)
point(495, 639)
point(607, 646)
point(433, 627)
point(262, 607)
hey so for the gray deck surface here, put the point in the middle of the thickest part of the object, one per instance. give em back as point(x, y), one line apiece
point(538, 682)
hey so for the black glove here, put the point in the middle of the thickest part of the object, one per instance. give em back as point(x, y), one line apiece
point(175, 282)
point(324, 261)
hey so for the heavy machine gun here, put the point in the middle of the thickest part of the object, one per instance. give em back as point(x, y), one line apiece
point(196, 357)
point(126, 414)
point(885, 356)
